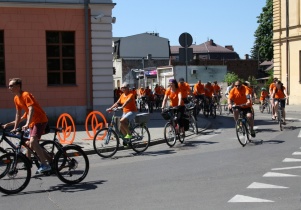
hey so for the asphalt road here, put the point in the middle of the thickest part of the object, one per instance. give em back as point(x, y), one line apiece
point(209, 171)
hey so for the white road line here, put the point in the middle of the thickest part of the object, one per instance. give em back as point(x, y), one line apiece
point(299, 136)
point(257, 185)
point(273, 174)
point(286, 168)
point(293, 119)
point(296, 153)
point(289, 160)
point(247, 199)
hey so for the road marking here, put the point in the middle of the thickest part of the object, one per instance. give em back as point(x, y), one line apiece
point(289, 160)
point(273, 174)
point(255, 127)
point(296, 153)
point(293, 119)
point(247, 199)
point(286, 168)
point(299, 136)
point(257, 185)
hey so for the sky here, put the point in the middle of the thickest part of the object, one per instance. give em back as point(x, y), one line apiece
point(227, 22)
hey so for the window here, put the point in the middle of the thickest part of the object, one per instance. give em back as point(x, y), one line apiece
point(61, 67)
point(2, 60)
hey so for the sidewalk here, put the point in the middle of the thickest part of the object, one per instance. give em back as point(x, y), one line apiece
point(155, 125)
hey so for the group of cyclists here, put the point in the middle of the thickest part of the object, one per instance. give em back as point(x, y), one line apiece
point(242, 95)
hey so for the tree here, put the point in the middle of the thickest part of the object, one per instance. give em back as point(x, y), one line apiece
point(263, 46)
point(231, 77)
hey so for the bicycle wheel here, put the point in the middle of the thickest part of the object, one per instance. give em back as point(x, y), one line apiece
point(170, 134)
point(181, 137)
point(261, 108)
point(220, 109)
point(14, 174)
point(241, 132)
point(106, 142)
point(193, 124)
point(214, 111)
point(280, 120)
point(141, 138)
point(71, 164)
point(268, 108)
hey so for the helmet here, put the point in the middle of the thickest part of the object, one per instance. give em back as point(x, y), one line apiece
point(263, 88)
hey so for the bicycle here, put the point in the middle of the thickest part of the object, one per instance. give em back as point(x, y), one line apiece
point(242, 126)
point(265, 106)
point(209, 108)
point(171, 128)
point(106, 140)
point(189, 113)
point(15, 167)
point(280, 113)
point(217, 104)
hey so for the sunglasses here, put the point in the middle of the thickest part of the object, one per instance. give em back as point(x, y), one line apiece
point(237, 85)
point(10, 86)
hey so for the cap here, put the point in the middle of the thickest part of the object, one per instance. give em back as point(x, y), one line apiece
point(181, 79)
point(125, 85)
point(172, 80)
point(209, 82)
point(247, 82)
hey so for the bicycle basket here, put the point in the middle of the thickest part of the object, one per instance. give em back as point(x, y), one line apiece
point(166, 115)
point(142, 118)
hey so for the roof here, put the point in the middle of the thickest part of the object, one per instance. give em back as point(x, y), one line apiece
point(206, 47)
point(266, 63)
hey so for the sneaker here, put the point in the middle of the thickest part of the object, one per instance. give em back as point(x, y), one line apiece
point(253, 134)
point(43, 168)
point(128, 136)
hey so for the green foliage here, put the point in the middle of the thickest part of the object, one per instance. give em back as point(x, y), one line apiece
point(263, 46)
point(252, 80)
point(270, 80)
point(231, 77)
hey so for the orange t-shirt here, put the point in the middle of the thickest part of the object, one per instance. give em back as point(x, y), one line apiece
point(148, 92)
point(209, 90)
point(239, 96)
point(272, 85)
point(24, 101)
point(174, 99)
point(134, 92)
point(131, 106)
point(162, 91)
point(185, 88)
point(157, 90)
point(216, 87)
point(198, 89)
point(142, 92)
point(263, 95)
point(279, 93)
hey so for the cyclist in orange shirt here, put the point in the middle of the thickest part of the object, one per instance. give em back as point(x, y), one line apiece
point(217, 90)
point(239, 95)
point(271, 88)
point(198, 90)
point(263, 95)
point(185, 90)
point(279, 92)
point(36, 120)
point(209, 92)
point(129, 110)
point(141, 92)
point(175, 95)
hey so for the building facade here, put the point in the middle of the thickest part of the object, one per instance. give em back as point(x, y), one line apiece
point(287, 46)
point(62, 50)
point(136, 58)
